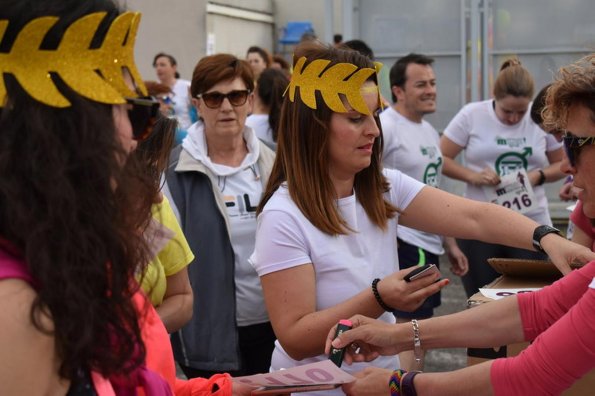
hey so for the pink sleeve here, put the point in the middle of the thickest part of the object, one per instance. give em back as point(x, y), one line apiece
point(541, 309)
point(12, 267)
point(559, 356)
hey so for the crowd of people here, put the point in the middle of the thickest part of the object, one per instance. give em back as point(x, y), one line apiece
point(226, 223)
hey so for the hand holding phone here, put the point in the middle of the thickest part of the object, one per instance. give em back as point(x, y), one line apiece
point(420, 272)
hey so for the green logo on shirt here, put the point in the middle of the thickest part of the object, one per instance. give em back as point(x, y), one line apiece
point(430, 151)
point(432, 173)
point(511, 142)
point(512, 161)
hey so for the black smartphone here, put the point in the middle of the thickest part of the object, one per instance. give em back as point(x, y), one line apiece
point(421, 271)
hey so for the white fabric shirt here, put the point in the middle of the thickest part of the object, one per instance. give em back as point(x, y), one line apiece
point(242, 190)
point(260, 124)
point(414, 149)
point(505, 148)
point(181, 102)
point(344, 265)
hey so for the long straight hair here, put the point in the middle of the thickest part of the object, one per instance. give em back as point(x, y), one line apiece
point(302, 159)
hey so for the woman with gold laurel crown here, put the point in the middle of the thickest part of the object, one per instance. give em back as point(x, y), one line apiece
point(327, 227)
point(72, 108)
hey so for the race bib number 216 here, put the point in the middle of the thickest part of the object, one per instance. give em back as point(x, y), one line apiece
point(513, 192)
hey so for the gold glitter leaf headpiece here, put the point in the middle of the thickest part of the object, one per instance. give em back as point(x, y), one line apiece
point(96, 74)
point(331, 83)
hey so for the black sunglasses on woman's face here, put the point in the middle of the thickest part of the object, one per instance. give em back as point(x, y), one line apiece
point(143, 116)
point(213, 100)
point(573, 146)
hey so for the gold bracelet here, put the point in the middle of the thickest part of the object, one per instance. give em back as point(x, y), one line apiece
point(417, 352)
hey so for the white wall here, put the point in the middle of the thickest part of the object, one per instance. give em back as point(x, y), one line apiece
point(176, 27)
point(181, 28)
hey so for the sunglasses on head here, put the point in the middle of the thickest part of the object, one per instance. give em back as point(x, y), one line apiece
point(143, 116)
point(213, 100)
point(573, 146)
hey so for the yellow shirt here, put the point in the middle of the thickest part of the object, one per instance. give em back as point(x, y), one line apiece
point(170, 259)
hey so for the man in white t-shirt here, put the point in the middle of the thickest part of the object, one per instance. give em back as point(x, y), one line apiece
point(411, 145)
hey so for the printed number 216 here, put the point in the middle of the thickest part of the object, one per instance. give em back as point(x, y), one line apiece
point(517, 203)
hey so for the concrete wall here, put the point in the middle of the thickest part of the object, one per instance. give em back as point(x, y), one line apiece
point(182, 28)
point(176, 27)
point(308, 10)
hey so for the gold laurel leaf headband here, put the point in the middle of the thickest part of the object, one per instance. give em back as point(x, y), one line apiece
point(96, 74)
point(331, 83)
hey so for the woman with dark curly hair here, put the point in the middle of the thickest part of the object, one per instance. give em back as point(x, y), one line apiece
point(70, 206)
point(74, 206)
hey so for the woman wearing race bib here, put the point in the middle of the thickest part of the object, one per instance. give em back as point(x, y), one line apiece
point(507, 160)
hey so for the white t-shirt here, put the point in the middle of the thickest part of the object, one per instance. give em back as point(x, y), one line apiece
point(414, 149)
point(181, 102)
point(260, 124)
point(241, 188)
point(242, 192)
point(505, 148)
point(344, 265)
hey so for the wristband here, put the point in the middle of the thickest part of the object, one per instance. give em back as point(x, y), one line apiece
point(407, 387)
point(394, 384)
point(539, 233)
point(377, 296)
point(541, 179)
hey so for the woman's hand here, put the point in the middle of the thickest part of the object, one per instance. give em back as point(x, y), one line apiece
point(563, 252)
point(408, 296)
point(568, 192)
point(459, 265)
point(368, 339)
point(371, 381)
point(487, 177)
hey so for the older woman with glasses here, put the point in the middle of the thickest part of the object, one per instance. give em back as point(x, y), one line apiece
point(215, 182)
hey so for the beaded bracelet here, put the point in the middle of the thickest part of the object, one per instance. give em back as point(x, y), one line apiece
point(377, 296)
point(395, 382)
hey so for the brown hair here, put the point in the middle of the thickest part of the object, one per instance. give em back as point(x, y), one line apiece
point(264, 54)
point(271, 85)
point(282, 62)
point(574, 84)
point(302, 155)
point(213, 69)
point(153, 152)
point(514, 80)
point(170, 58)
point(155, 89)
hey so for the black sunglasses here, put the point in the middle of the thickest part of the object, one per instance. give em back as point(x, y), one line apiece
point(573, 146)
point(213, 100)
point(143, 116)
